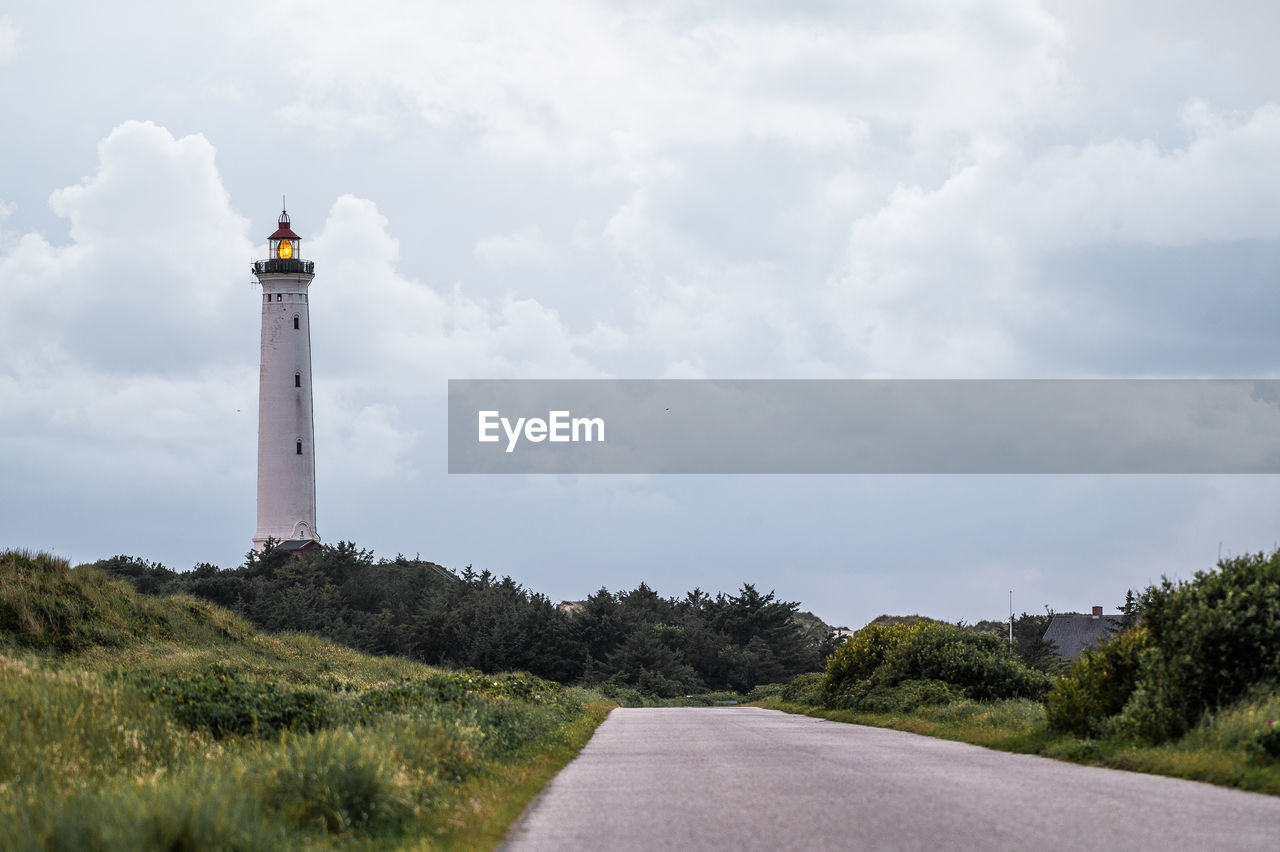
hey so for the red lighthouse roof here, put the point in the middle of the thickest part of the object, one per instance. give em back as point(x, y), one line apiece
point(284, 232)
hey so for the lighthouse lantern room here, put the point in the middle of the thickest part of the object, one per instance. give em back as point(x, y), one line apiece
point(284, 244)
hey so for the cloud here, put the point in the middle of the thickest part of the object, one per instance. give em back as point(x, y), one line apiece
point(389, 333)
point(954, 277)
point(728, 153)
point(385, 345)
point(8, 39)
point(521, 248)
point(126, 354)
point(616, 88)
point(143, 286)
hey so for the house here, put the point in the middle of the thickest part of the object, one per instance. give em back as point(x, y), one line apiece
point(570, 607)
point(1072, 634)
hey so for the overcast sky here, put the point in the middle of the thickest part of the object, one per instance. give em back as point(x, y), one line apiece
point(969, 188)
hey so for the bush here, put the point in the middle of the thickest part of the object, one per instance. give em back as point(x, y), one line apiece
point(769, 690)
point(209, 811)
point(222, 703)
point(1203, 646)
point(1212, 640)
point(334, 783)
point(622, 695)
point(804, 689)
point(980, 664)
point(1099, 685)
point(903, 697)
point(859, 657)
point(866, 670)
point(1265, 745)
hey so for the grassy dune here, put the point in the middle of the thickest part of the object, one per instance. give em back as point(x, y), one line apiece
point(129, 722)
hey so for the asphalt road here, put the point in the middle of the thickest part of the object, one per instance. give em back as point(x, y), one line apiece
point(746, 778)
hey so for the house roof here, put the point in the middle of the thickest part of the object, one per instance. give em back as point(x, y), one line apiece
point(297, 545)
point(1073, 634)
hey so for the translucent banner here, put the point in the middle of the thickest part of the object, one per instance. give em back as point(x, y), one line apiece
point(865, 426)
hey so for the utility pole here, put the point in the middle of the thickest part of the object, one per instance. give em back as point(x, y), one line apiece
point(1011, 619)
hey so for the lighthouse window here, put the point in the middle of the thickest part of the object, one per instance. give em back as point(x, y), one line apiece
point(297, 380)
point(295, 320)
point(299, 446)
point(279, 298)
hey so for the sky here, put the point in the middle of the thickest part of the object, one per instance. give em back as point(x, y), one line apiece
point(756, 190)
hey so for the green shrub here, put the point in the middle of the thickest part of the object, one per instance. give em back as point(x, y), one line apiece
point(623, 695)
point(769, 690)
point(206, 812)
point(980, 664)
point(804, 689)
point(221, 702)
point(332, 782)
point(859, 657)
point(1099, 685)
point(1071, 708)
point(903, 697)
point(1265, 745)
point(1204, 645)
point(1151, 714)
point(865, 672)
point(1213, 639)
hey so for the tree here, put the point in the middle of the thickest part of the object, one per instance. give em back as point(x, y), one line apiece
point(649, 660)
point(1030, 645)
point(1129, 611)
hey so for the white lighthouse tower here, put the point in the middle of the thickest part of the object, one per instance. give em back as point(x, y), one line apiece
point(286, 436)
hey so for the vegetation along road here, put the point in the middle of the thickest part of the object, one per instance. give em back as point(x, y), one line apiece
point(749, 778)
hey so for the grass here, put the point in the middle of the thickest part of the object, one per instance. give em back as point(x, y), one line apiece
point(129, 722)
point(1222, 750)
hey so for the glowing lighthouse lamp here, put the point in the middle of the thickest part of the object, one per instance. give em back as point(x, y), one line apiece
point(286, 432)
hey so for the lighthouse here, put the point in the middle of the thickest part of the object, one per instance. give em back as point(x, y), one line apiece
point(286, 435)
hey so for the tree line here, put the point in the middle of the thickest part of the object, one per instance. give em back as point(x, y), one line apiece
point(413, 608)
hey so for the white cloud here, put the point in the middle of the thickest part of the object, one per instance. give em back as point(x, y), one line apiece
point(732, 147)
point(523, 247)
point(126, 355)
point(395, 335)
point(616, 88)
point(1224, 184)
point(144, 286)
point(941, 280)
point(8, 39)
